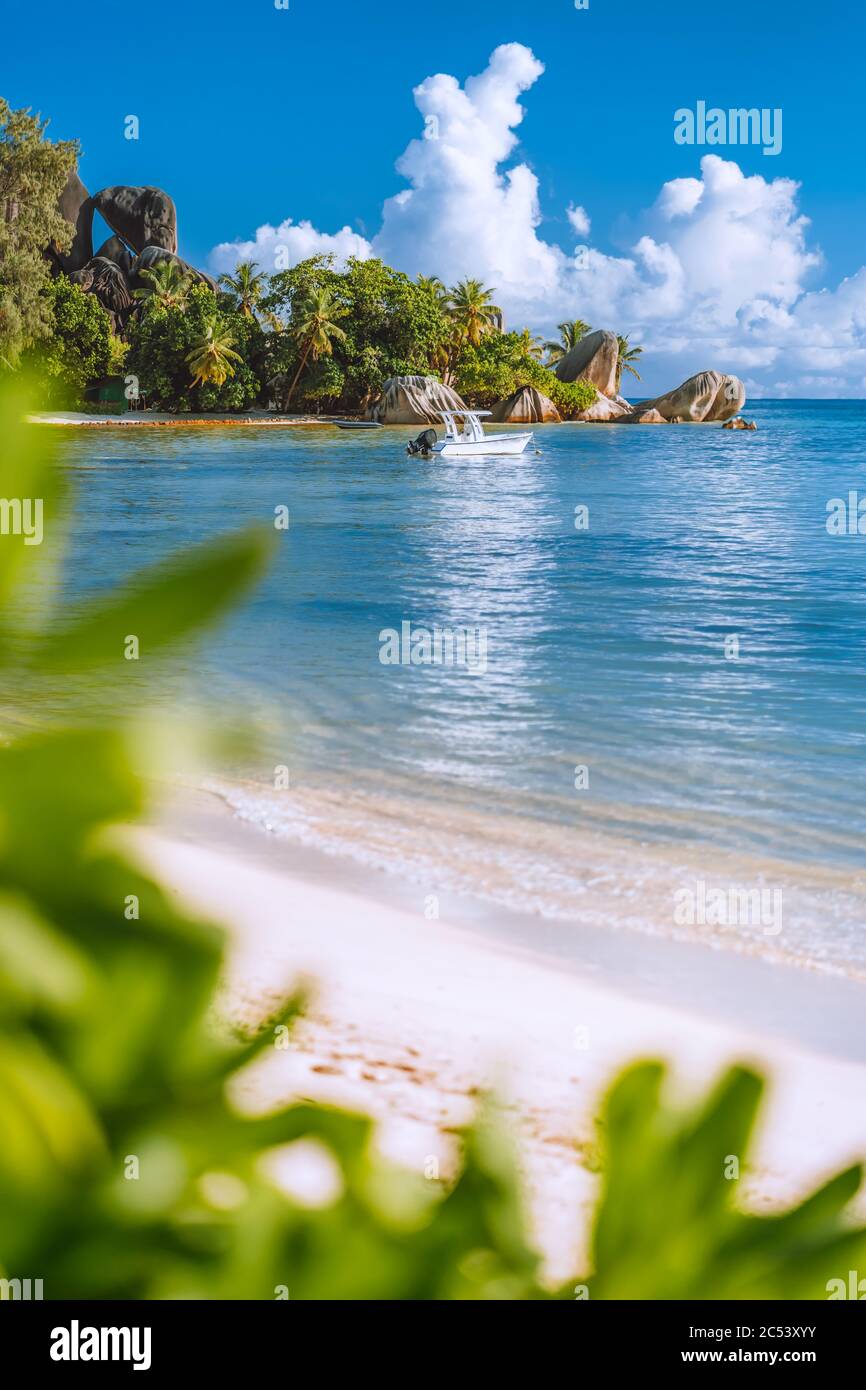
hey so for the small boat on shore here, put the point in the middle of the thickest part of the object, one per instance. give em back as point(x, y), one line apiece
point(359, 424)
point(470, 441)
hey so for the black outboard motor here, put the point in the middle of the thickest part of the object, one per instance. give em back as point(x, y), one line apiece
point(423, 444)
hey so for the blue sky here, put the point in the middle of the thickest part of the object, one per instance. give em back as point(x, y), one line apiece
point(250, 115)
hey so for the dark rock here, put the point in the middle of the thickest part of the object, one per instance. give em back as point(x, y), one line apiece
point(105, 279)
point(140, 216)
point(75, 205)
point(114, 250)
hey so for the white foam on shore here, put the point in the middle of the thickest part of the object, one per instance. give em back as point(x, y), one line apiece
point(579, 874)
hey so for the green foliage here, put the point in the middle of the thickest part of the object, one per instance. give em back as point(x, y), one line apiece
point(245, 288)
point(164, 337)
point(472, 311)
point(109, 1052)
point(33, 173)
point(503, 362)
point(126, 1169)
point(570, 334)
point(393, 326)
point(316, 329)
point(569, 397)
point(626, 358)
point(667, 1225)
point(80, 349)
point(212, 358)
point(166, 284)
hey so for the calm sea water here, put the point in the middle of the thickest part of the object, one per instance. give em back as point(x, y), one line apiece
point(607, 648)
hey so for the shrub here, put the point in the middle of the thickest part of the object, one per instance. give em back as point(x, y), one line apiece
point(161, 338)
point(500, 365)
point(81, 347)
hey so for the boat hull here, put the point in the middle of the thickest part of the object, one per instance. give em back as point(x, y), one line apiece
point(490, 444)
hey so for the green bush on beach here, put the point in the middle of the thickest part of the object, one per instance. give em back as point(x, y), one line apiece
point(393, 327)
point(126, 1171)
point(80, 349)
point(500, 364)
point(162, 339)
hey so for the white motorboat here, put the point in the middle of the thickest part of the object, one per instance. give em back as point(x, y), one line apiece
point(471, 441)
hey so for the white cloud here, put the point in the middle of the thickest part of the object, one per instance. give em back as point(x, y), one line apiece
point(277, 248)
point(579, 219)
point(717, 273)
point(462, 215)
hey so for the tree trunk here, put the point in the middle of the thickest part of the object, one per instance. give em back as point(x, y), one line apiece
point(291, 390)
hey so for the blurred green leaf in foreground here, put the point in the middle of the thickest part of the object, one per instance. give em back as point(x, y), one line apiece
point(125, 1169)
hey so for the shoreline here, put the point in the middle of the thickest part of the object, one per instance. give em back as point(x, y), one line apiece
point(158, 420)
point(413, 1020)
point(620, 868)
point(74, 420)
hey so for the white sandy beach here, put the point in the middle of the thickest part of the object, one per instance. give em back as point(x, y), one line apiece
point(413, 1018)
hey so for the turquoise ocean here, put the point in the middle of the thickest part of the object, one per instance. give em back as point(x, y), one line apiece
point(674, 681)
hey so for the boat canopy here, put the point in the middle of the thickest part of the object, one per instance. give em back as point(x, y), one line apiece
point(472, 428)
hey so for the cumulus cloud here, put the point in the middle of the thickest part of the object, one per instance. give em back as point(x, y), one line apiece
point(278, 248)
point(717, 272)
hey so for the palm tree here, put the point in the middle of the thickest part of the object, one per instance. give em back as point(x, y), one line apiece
point(167, 285)
point(625, 357)
point(434, 287)
point(531, 345)
point(317, 329)
point(570, 333)
point(473, 312)
point(246, 285)
point(212, 355)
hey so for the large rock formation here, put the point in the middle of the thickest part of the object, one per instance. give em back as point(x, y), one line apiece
point(706, 396)
point(141, 216)
point(144, 226)
point(644, 416)
point(75, 205)
point(105, 279)
point(414, 400)
point(593, 359)
point(603, 410)
point(527, 406)
point(114, 250)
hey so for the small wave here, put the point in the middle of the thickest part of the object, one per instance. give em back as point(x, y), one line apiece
point(576, 874)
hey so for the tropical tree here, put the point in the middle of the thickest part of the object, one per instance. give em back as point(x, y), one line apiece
point(433, 286)
point(163, 339)
point(473, 312)
point(246, 285)
point(624, 360)
point(316, 330)
point(531, 345)
point(81, 347)
point(570, 333)
point(394, 327)
point(167, 285)
point(33, 172)
point(212, 356)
